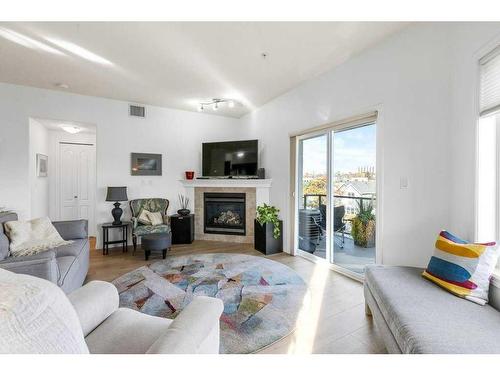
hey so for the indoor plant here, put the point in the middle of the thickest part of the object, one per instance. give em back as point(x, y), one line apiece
point(184, 203)
point(268, 230)
point(363, 225)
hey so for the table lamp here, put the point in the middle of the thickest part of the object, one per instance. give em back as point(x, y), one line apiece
point(117, 194)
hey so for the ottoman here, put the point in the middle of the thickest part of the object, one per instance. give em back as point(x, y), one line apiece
point(156, 242)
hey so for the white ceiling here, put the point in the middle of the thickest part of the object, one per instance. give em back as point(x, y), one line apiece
point(58, 124)
point(177, 65)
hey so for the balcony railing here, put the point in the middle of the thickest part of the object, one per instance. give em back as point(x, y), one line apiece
point(315, 200)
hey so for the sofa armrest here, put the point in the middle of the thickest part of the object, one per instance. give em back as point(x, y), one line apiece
point(195, 331)
point(72, 229)
point(94, 303)
point(42, 265)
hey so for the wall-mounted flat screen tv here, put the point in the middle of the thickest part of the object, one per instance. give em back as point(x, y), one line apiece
point(238, 158)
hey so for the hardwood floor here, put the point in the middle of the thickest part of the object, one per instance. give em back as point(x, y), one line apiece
point(332, 319)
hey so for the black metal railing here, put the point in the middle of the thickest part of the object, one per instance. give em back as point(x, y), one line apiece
point(321, 199)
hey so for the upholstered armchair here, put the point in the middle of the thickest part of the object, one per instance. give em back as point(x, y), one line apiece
point(37, 317)
point(152, 205)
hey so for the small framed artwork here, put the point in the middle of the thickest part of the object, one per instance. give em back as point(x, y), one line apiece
point(146, 164)
point(42, 165)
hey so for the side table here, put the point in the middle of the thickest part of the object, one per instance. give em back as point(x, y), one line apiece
point(105, 236)
point(182, 228)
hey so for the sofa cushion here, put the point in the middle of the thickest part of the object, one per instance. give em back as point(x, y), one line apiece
point(74, 248)
point(126, 331)
point(32, 237)
point(462, 268)
point(423, 319)
point(37, 317)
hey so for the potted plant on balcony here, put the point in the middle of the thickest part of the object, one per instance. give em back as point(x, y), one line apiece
point(268, 229)
point(363, 225)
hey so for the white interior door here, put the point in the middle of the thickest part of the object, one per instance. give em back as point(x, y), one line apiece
point(77, 182)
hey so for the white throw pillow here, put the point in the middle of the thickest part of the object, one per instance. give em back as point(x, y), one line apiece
point(143, 217)
point(37, 317)
point(32, 237)
point(155, 217)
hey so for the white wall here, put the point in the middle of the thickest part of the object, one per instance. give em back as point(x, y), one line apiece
point(470, 43)
point(409, 79)
point(175, 134)
point(39, 186)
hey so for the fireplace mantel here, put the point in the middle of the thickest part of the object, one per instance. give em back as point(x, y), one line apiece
point(262, 186)
point(228, 182)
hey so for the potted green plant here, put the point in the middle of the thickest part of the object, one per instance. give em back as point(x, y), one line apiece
point(268, 230)
point(363, 225)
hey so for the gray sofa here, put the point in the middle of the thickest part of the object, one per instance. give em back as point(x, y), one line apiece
point(66, 266)
point(413, 315)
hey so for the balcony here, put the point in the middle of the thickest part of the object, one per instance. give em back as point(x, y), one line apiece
point(347, 252)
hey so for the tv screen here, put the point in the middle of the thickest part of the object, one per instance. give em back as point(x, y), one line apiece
point(238, 158)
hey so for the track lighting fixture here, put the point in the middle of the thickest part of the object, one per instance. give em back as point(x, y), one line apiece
point(215, 103)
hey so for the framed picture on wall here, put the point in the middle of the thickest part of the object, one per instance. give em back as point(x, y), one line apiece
point(146, 164)
point(42, 165)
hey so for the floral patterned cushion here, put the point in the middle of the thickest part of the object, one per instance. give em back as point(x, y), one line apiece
point(148, 229)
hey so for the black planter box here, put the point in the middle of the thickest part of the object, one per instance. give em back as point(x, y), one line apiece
point(264, 239)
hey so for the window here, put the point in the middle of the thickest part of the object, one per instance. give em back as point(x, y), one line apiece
point(488, 155)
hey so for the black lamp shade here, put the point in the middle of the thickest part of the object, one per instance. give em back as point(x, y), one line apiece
point(116, 194)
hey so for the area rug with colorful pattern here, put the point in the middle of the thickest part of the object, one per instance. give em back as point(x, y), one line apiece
point(262, 298)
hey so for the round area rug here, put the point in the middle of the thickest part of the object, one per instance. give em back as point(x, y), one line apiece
point(262, 298)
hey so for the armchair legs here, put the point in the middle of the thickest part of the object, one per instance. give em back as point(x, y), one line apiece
point(134, 242)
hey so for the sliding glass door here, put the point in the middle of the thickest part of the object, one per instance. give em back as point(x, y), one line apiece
point(312, 185)
point(337, 197)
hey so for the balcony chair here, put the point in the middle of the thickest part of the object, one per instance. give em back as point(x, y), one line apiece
point(338, 223)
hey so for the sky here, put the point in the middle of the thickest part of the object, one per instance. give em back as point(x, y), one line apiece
point(351, 149)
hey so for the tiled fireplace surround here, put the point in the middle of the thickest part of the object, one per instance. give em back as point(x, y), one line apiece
point(256, 193)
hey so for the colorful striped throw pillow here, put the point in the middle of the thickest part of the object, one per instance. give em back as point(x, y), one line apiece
point(462, 268)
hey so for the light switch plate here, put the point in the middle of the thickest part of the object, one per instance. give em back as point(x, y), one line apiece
point(403, 182)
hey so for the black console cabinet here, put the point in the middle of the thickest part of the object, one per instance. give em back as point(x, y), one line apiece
point(182, 229)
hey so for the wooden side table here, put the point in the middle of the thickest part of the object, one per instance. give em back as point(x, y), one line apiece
point(105, 236)
point(182, 229)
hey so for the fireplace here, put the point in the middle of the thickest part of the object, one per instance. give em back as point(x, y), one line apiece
point(224, 213)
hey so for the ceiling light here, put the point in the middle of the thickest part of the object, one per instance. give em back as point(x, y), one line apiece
point(240, 154)
point(27, 42)
point(215, 104)
point(80, 51)
point(71, 129)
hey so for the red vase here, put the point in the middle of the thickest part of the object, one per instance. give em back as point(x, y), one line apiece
point(189, 175)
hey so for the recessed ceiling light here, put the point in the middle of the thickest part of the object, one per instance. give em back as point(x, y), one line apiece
point(71, 129)
point(27, 42)
point(79, 51)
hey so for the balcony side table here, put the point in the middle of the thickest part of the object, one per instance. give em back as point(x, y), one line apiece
point(105, 236)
